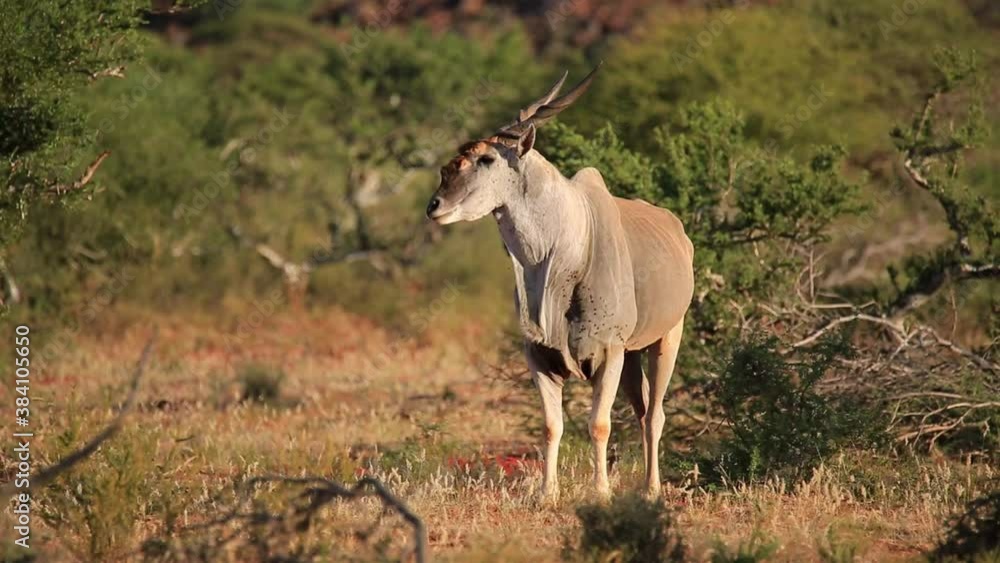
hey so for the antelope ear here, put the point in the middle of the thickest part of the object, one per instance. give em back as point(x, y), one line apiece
point(526, 141)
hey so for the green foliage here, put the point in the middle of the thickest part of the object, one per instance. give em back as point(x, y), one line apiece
point(757, 548)
point(274, 154)
point(814, 72)
point(780, 423)
point(745, 209)
point(166, 202)
point(628, 529)
point(51, 51)
point(934, 147)
point(627, 173)
point(115, 489)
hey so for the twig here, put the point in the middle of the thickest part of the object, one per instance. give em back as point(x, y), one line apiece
point(115, 72)
point(320, 492)
point(940, 429)
point(918, 294)
point(918, 394)
point(897, 329)
point(980, 361)
point(60, 189)
point(46, 475)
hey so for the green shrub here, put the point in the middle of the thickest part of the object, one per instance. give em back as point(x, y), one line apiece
point(424, 454)
point(741, 206)
point(629, 529)
point(757, 548)
point(51, 52)
point(974, 535)
point(125, 483)
point(835, 550)
point(780, 423)
point(260, 383)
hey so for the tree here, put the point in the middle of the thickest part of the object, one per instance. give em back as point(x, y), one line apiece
point(50, 52)
point(753, 215)
point(758, 221)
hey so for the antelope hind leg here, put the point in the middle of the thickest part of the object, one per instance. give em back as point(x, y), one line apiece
point(605, 383)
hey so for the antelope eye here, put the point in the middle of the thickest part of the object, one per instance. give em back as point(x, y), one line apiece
point(485, 160)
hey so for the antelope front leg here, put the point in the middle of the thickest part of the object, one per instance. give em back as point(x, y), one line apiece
point(605, 387)
point(551, 390)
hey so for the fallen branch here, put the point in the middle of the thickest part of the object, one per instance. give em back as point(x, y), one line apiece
point(939, 429)
point(302, 514)
point(48, 474)
point(898, 330)
point(980, 361)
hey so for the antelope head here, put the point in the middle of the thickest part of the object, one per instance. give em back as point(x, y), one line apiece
point(478, 179)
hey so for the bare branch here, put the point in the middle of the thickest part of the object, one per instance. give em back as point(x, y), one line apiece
point(896, 327)
point(48, 474)
point(925, 113)
point(940, 429)
point(167, 7)
point(972, 271)
point(918, 294)
point(115, 72)
point(60, 189)
point(980, 361)
point(953, 220)
point(305, 508)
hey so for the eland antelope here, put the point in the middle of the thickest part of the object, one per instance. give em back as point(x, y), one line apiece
point(600, 281)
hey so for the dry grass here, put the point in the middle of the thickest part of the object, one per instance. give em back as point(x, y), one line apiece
point(422, 418)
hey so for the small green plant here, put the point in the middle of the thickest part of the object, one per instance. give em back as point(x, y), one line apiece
point(260, 383)
point(629, 529)
point(122, 484)
point(423, 454)
point(780, 422)
point(836, 550)
point(757, 548)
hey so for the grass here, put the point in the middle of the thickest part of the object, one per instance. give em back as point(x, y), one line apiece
point(448, 440)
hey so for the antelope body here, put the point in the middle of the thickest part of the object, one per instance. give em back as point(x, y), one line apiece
point(600, 281)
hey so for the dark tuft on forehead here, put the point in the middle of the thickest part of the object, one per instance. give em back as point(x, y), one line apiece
point(466, 154)
point(473, 148)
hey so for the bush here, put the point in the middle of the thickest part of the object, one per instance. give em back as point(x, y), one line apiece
point(261, 384)
point(126, 483)
point(780, 423)
point(974, 535)
point(741, 206)
point(628, 529)
point(42, 127)
point(757, 548)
